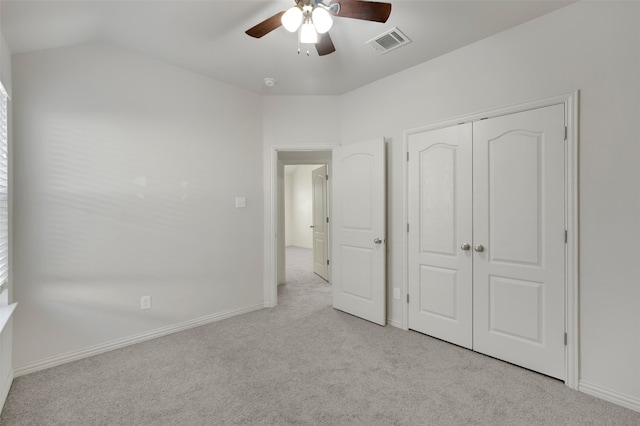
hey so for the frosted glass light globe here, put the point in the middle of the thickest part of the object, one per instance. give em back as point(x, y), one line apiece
point(291, 19)
point(308, 34)
point(321, 19)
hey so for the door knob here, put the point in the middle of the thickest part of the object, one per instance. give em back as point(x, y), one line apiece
point(478, 248)
point(311, 226)
point(465, 246)
point(377, 241)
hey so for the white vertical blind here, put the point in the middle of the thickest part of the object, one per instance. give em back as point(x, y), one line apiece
point(4, 199)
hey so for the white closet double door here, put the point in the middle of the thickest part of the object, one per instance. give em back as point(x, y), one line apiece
point(487, 237)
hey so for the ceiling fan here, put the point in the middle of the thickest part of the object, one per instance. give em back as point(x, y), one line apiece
point(313, 19)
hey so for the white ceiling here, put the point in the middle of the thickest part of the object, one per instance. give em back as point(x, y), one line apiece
point(207, 36)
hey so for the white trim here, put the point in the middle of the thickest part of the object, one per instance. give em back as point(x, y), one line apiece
point(131, 340)
point(271, 284)
point(6, 386)
point(570, 100)
point(497, 112)
point(5, 314)
point(405, 235)
point(572, 300)
point(609, 395)
point(394, 323)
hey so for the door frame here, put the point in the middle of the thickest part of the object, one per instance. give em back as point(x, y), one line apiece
point(570, 101)
point(295, 154)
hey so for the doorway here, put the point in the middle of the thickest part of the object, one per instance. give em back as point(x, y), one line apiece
point(317, 155)
point(359, 205)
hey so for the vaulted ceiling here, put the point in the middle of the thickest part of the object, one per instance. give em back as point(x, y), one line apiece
point(207, 36)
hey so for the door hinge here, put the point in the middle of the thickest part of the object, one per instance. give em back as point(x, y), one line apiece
point(566, 236)
point(407, 298)
point(407, 227)
point(327, 220)
point(565, 339)
point(327, 262)
point(407, 155)
point(566, 132)
point(327, 177)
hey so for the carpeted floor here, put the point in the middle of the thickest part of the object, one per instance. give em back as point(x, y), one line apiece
point(300, 363)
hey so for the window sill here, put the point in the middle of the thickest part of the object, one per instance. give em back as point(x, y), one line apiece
point(5, 314)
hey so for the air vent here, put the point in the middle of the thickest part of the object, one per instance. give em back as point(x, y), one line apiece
point(388, 41)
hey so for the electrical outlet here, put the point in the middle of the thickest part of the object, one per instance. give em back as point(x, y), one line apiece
point(145, 303)
point(396, 293)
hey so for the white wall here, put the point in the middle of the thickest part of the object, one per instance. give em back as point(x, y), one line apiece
point(299, 205)
point(591, 46)
point(288, 205)
point(126, 170)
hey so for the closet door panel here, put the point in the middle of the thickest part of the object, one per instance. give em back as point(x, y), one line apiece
point(440, 281)
point(518, 222)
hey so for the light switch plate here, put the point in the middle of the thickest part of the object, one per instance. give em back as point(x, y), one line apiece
point(241, 202)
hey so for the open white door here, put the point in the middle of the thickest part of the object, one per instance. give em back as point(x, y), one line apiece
point(320, 225)
point(359, 230)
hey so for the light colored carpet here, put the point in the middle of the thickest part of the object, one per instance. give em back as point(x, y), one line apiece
point(299, 363)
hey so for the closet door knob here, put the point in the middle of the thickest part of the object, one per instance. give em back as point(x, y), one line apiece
point(465, 246)
point(478, 248)
point(377, 241)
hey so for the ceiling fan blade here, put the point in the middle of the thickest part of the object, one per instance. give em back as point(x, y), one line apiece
point(266, 26)
point(324, 46)
point(366, 10)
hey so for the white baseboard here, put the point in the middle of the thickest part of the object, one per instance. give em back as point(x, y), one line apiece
point(127, 341)
point(609, 395)
point(394, 323)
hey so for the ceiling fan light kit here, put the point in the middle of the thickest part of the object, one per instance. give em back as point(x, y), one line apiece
point(315, 20)
point(312, 18)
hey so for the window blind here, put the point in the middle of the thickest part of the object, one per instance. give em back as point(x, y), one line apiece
point(4, 194)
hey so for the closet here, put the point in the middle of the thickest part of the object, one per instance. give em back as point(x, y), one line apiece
point(486, 243)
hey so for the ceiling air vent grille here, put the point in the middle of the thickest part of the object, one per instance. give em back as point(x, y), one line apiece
point(388, 41)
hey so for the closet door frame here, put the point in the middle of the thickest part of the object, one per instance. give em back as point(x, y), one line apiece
point(570, 101)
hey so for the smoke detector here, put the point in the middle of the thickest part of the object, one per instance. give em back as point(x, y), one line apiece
point(269, 82)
